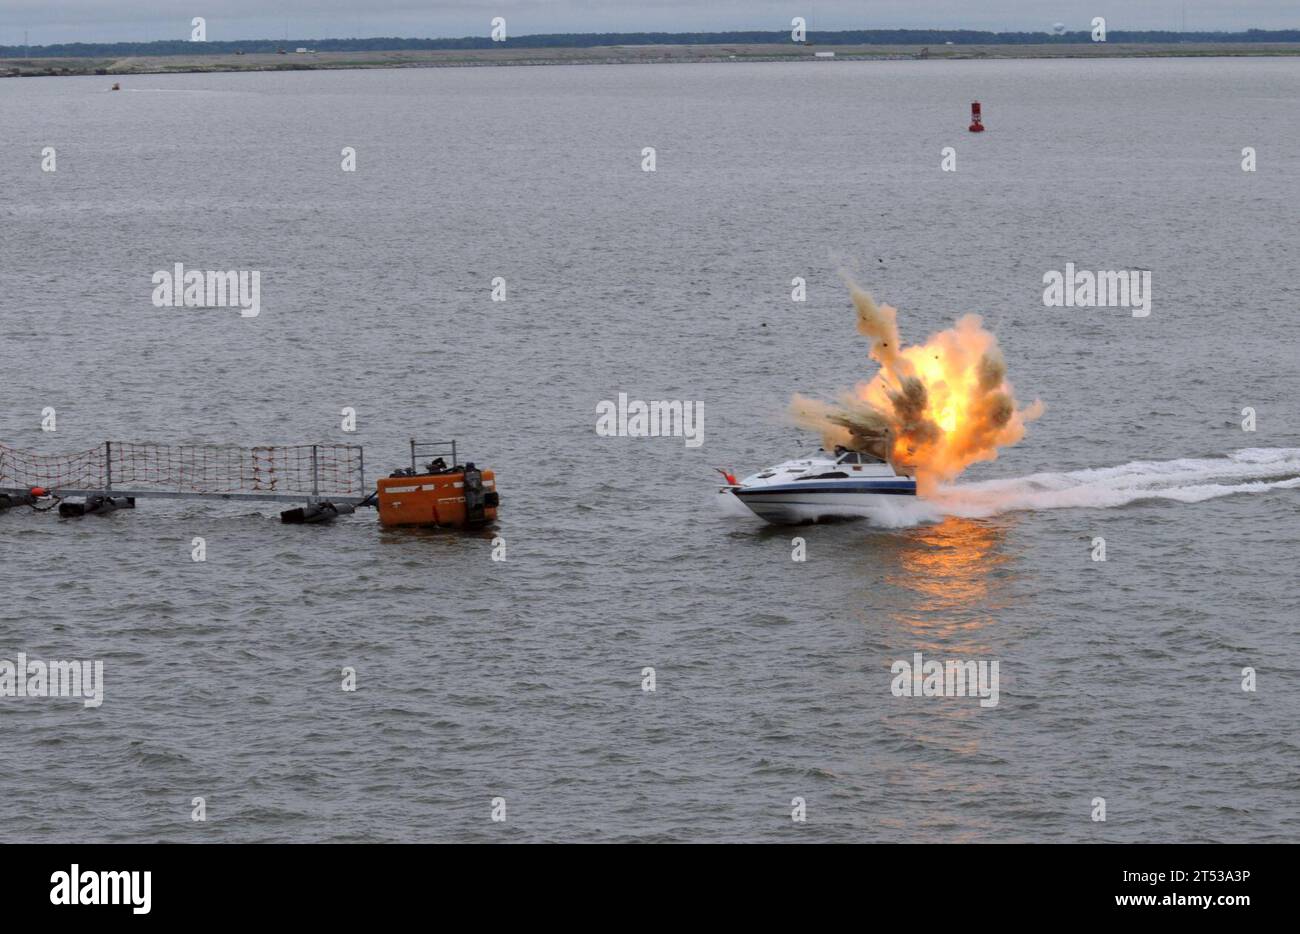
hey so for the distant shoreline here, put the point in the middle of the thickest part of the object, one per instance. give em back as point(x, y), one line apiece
point(291, 60)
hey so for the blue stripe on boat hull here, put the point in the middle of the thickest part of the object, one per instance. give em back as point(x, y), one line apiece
point(897, 490)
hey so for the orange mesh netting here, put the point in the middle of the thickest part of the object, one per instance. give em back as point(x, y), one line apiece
point(334, 469)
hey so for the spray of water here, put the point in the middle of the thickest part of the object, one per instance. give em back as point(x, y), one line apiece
point(1187, 480)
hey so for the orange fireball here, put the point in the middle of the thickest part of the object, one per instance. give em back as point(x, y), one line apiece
point(943, 405)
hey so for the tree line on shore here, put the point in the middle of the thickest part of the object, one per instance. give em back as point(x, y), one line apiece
point(587, 40)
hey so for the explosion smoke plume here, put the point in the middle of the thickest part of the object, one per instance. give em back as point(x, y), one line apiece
point(946, 403)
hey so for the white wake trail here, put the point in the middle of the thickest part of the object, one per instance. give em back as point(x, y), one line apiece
point(1186, 480)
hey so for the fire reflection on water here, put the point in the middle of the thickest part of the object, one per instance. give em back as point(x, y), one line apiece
point(954, 571)
point(953, 580)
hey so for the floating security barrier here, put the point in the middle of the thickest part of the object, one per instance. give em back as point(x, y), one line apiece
point(317, 512)
point(10, 500)
point(330, 478)
point(97, 506)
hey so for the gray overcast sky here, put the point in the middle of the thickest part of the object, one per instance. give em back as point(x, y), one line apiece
point(50, 21)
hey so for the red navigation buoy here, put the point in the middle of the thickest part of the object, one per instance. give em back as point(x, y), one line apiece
point(976, 125)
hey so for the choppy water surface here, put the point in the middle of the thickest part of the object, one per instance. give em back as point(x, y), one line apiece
point(522, 679)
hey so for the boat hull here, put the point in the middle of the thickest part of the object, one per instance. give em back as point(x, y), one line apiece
point(789, 507)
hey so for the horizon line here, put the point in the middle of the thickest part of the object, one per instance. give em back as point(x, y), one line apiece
point(880, 36)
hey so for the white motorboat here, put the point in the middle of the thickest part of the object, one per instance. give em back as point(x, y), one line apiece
point(822, 485)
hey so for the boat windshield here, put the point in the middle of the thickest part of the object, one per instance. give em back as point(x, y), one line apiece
point(858, 457)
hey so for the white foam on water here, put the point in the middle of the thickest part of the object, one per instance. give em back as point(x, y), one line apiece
point(1186, 480)
point(900, 512)
point(732, 506)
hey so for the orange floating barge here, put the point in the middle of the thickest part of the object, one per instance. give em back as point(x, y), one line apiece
point(438, 493)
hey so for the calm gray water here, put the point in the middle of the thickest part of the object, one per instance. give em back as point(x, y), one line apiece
point(522, 679)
